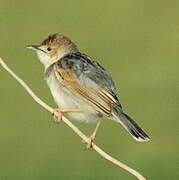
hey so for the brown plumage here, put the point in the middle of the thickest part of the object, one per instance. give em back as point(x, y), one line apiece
point(58, 40)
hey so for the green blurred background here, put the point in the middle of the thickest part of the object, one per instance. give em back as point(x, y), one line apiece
point(138, 42)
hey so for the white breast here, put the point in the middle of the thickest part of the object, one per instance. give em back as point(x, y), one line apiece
point(65, 99)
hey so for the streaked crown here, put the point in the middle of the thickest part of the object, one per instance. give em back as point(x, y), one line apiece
point(58, 40)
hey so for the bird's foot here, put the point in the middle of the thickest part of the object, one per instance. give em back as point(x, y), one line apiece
point(90, 142)
point(58, 113)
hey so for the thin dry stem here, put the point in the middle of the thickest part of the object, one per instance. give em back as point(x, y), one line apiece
point(72, 126)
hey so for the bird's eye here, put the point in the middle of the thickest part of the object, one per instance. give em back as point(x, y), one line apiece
point(49, 49)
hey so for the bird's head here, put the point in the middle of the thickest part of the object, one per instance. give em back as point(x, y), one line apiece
point(53, 48)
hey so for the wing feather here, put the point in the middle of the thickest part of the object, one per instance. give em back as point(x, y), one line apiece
point(88, 80)
point(69, 80)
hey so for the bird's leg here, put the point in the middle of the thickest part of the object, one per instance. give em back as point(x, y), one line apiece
point(58, 113)
point(93, 136)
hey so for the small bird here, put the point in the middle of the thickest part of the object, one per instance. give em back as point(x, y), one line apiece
point(81, 87)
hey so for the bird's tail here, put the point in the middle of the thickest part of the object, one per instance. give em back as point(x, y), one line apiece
point(131, 126)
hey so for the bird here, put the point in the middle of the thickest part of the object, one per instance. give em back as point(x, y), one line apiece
point(81, 87)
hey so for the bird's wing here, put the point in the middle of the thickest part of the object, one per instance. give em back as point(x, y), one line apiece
point(86, 78)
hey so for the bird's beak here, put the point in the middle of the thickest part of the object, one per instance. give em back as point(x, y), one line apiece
point(35, 47)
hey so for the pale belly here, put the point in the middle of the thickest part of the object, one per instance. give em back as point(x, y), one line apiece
point(65, 99)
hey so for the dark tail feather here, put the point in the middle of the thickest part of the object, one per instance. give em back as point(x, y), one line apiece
point(132, 127)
